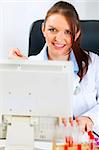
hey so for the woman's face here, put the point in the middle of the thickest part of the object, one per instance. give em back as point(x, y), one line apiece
point(58, 37)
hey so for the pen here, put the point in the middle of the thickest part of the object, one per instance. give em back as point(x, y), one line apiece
point(95, 133)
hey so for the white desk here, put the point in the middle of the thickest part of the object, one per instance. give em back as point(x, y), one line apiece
point(38, 145)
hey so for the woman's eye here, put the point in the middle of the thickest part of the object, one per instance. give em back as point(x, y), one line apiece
point(52, 30)
point(67, 32)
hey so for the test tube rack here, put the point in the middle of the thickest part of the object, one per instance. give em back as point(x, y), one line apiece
point(65, 146)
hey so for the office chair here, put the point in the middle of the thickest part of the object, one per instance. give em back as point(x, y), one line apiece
point(89, 38)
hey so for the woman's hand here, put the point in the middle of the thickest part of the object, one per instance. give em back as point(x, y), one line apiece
point(82, 124)
point(86, 124)
point(15, 53)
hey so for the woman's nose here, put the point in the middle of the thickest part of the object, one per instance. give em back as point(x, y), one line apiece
point(60, 37)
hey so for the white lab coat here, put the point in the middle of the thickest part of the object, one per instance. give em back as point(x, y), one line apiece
point(84, 102)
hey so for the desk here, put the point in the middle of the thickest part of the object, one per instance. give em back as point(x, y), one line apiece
point(38, 145)
point(47, 146)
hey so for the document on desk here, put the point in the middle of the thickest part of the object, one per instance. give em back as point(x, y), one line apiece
point(43, 145)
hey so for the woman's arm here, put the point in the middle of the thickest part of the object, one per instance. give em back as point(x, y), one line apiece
point(93, 113)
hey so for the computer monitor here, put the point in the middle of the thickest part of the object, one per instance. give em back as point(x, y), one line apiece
point(36, 88)
point(30, 89)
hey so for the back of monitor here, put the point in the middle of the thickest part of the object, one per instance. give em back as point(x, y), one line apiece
point(37, 88)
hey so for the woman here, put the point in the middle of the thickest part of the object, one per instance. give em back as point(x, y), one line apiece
point(61, 29)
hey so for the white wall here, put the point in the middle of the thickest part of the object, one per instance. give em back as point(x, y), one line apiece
point(16, 17)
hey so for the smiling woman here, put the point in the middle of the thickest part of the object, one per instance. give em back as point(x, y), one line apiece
point(58, 37)
point(61, 29)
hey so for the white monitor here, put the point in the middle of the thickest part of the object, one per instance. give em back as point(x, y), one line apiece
point(36, 88)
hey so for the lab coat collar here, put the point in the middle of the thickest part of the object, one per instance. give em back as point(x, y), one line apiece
point(73, 59)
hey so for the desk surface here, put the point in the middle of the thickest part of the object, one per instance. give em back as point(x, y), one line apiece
point(2, 148)
point(38, 145)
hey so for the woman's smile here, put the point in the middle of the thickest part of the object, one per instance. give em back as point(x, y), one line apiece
point(58, 46)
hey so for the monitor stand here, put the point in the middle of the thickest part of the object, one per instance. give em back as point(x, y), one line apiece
point(20, 134)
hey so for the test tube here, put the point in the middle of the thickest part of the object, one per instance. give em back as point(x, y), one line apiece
point(91, 136)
